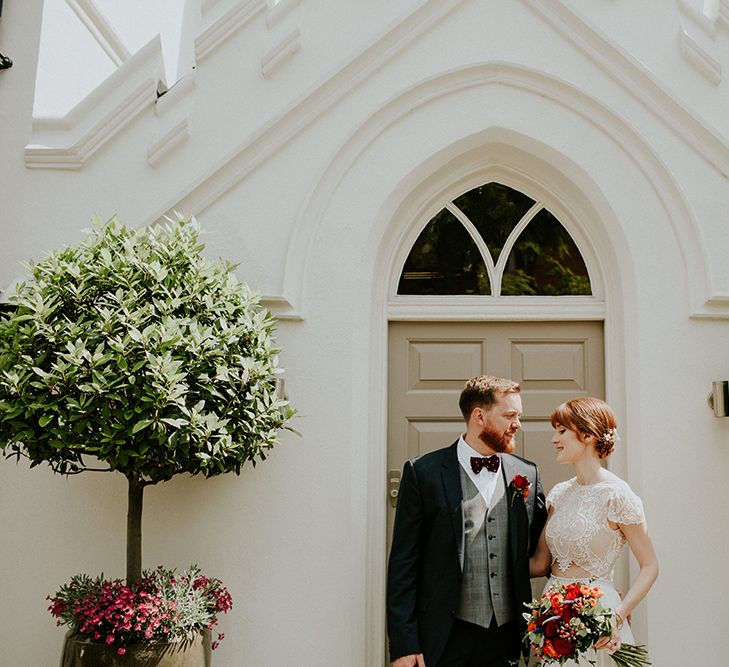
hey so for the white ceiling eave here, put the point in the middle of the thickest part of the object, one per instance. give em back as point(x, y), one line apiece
point(67, 142)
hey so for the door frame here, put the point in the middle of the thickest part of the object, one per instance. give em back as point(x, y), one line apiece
point(599, 254)
point(377, 485)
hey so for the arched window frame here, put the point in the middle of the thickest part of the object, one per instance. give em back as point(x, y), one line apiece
point(496, 306)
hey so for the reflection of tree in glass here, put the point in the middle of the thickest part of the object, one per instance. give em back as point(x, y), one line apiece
point(545, 261)
point(444, 260)
point(494, 209)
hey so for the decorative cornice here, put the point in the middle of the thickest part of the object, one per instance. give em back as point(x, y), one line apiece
point(495, 308)
point(700, 57)
point(630, 74)
point(715, 308)
point(285, 37)
point(698, 33)
point(636, 79)
point(175, 130)
point(69, 141)
point(230, 22)
point(280, 307)
point(622, 67)
point(306, 108)
point(278, 10)
point(173, 137)
point(694, 9)
point(172, 97)
point(542, 85)
point(280, 53)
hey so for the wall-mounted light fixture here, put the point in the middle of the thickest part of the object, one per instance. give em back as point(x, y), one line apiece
point(719, 398)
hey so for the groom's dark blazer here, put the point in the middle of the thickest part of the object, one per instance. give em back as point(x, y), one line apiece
point(426, 559)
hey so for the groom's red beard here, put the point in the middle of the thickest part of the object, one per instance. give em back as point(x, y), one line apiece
point(497, 441)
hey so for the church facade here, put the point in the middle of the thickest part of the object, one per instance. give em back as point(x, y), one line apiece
point(421, 191)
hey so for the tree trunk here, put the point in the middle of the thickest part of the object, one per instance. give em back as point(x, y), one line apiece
point(134, 529)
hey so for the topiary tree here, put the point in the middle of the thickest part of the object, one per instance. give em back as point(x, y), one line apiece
point(132, 353)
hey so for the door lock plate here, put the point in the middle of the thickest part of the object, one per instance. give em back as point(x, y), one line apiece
point(393, 486)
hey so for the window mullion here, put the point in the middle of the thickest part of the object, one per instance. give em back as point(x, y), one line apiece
point(509, 245)
point(480, 243)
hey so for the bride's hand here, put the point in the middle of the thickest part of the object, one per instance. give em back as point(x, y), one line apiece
point(610, 644)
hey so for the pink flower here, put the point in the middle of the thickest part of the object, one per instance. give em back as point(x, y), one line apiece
point(117, 614)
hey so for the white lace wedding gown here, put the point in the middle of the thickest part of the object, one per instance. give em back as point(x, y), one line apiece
point(579, 533)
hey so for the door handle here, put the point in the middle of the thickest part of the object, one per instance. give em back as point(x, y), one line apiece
point(393, 486)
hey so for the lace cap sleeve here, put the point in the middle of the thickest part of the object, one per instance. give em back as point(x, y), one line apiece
point(624, 506)
point(554, 495)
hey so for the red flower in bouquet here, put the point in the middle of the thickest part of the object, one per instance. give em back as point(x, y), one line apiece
point(563, 646)
point(567, 621)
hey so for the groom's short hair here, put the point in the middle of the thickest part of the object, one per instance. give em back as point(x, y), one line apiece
point(482, 391)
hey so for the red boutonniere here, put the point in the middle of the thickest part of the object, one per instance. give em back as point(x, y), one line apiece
point(520, 486)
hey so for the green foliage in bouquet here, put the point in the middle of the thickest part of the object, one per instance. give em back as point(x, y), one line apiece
point(132, 350)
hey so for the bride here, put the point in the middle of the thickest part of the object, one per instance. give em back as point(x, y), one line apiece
point(591, 518)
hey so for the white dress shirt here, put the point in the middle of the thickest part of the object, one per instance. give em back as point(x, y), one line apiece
point(485, 481)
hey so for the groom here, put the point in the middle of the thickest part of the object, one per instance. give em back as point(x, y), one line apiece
point(467, 518)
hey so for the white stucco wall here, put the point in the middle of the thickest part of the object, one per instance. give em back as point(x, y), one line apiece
point(317, 199)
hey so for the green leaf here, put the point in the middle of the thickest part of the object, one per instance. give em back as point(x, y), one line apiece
point(142, 424)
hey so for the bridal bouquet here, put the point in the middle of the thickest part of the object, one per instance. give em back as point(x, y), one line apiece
point(567, 621)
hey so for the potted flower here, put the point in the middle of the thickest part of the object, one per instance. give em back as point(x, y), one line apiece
point(132, 353)
point(161, 620)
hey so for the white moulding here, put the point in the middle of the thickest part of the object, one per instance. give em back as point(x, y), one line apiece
point(279, 54)
point(699, 56)
point(496, 308)
point(165, 144)
point(278, 10)
point(174, 96)
point(715, 308)
point(226, 25)
point(280, 307)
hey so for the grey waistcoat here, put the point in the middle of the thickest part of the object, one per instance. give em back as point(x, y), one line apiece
point(486, 589)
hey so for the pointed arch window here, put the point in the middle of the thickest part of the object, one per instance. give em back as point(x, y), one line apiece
point(494, 240)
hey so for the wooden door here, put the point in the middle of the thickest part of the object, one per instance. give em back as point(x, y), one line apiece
point(429, 363)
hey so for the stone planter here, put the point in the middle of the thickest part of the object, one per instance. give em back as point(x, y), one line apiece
point(82, 652)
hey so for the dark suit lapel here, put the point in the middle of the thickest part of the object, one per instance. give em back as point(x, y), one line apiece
point(518, 521)
point(509, 471)
point(451, 474)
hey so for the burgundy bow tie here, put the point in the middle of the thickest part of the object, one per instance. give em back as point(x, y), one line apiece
point(491, 463)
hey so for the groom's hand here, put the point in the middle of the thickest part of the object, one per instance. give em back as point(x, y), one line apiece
point(415, 660)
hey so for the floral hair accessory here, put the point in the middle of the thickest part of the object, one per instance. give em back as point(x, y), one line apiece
point(610, 436)
point(519, 487)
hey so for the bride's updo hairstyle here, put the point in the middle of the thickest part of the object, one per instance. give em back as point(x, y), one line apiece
point(589, 416)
